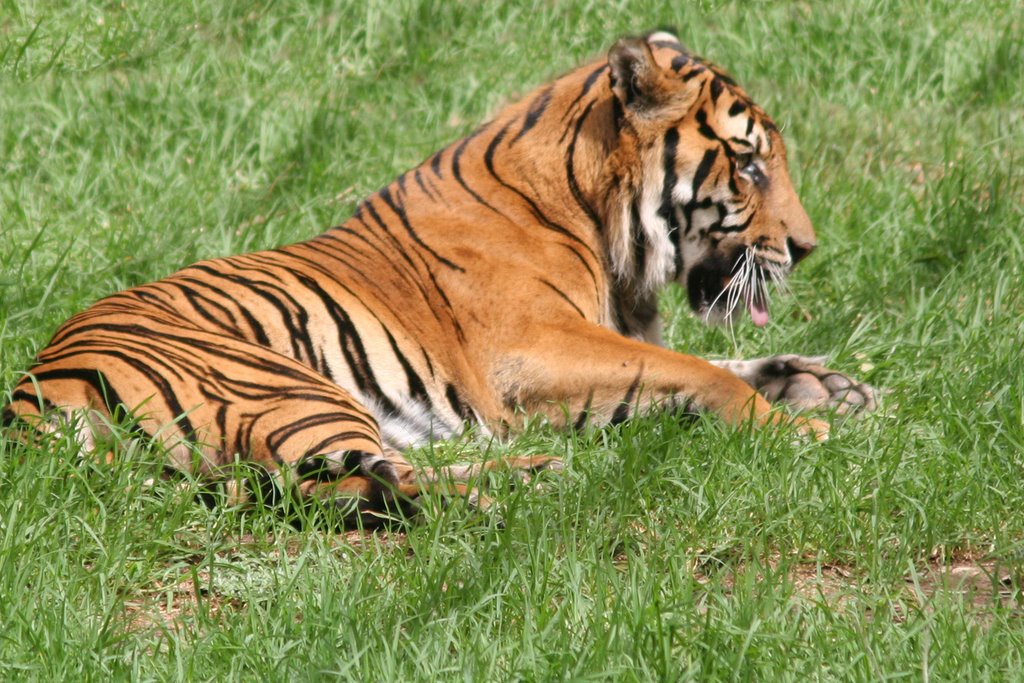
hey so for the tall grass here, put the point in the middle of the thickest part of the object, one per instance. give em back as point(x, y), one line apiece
point(138, 137)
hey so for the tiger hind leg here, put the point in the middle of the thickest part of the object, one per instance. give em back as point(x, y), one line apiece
point(220, 406)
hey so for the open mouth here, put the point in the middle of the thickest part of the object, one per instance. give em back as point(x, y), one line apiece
point(717, 288)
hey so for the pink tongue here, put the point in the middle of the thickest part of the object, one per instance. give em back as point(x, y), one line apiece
point(758, 311)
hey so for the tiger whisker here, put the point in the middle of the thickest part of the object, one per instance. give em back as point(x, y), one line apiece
point(762, 284)
point(777, 274)
point(738, 284)
point(738, 274)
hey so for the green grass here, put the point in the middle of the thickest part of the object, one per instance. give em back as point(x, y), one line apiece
point(137, 137)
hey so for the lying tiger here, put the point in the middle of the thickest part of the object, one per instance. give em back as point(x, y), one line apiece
point(513, 273)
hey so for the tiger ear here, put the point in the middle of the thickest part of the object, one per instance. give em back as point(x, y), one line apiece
point(642, 85)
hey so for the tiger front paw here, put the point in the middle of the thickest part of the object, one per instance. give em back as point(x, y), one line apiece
point(804, 383)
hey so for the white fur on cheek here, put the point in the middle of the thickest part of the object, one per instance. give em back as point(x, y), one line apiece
point(661, 252)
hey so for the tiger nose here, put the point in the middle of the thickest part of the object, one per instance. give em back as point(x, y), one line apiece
point(798, 249)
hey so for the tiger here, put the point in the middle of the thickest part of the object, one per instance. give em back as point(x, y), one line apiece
point(512, 275)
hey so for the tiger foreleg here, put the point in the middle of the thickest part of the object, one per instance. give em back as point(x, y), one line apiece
point(802, 382)
point(587, 374)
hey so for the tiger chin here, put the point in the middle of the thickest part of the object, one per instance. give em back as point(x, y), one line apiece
point(513, 273)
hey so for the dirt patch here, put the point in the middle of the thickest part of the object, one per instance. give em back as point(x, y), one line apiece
point(245, 566)
point(982, 584)
point(170, 607)
point(978, 585)
point(192, 594)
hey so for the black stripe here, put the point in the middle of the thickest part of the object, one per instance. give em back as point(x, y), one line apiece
point(167, 391)
point(292, 314)
point(320, 469)
point(423, 186)
point(588, 83)
point(317, 389)
point(399, 211)
point(201, 302)
point(416, 387)
point(695, 71)
point(321, 446)
point(703, 128)
point(638, 238)
point(581, 419)
point(725, 78)
point(243, 434)
point(562, 294)
point(457, 171)
point(721, 229)
point(111, 400)
point(583, 261)
point(405, 274)
point(426, 359)
point(417, 281)
point(406, 271)
point(355, 261)
point(691, 207)
point(621, 413)
point(41, 402)
point(536, 110)
point(257, 328)
point(667, 209)
point(351, 346)
point(261, 363)
point(154, 295)
point(571, 175)
point(221, 419)
point(534, 209)
point(703, 170)
point(457, 404)
point(277, 438)
point(717, 87)
point(492, 147)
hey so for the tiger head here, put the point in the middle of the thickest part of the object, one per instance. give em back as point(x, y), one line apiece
point(699, 190)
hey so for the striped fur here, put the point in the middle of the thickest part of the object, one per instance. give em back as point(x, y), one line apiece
point(513, 273)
